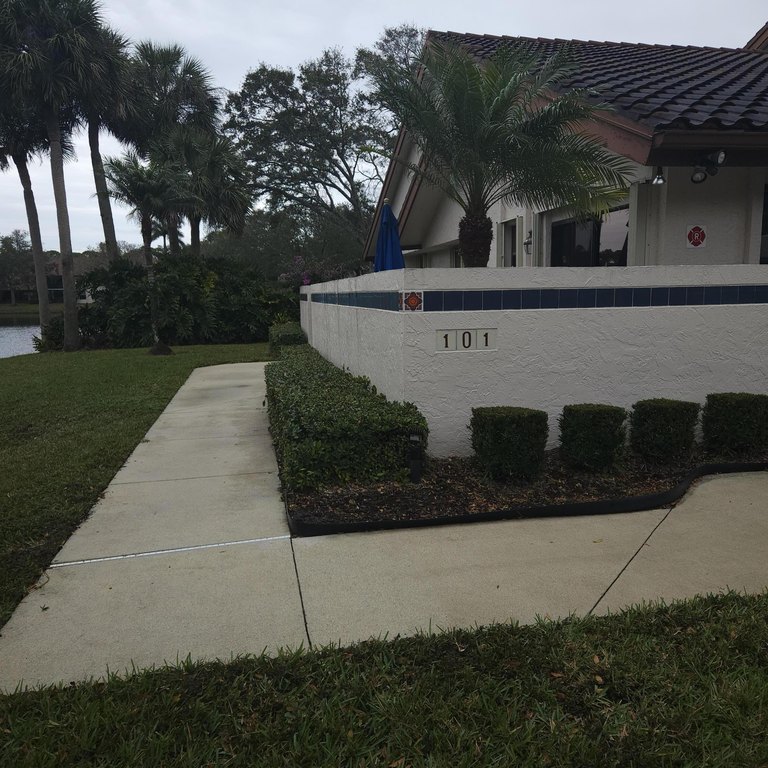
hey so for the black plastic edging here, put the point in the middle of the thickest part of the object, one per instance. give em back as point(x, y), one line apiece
point(602, 507)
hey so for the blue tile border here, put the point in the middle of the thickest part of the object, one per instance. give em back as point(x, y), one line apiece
point(549, 298)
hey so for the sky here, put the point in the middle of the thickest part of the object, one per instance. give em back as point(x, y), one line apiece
point(232, 36)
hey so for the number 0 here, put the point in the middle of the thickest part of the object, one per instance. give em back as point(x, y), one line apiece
point(466, 339)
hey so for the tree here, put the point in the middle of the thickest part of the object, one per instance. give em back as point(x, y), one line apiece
point(47, 54)
point(151, 191)
point(311, 140)
point(103, 99)
point(499, 130)
point(23, 136)
point(16, 263)
point(170, 91)
point(214, 177)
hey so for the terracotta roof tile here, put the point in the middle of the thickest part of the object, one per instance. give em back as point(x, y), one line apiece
point(659, 86)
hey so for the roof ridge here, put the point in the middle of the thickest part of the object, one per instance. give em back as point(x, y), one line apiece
point(490, 36)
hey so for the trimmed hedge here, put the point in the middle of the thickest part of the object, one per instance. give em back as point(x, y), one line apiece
point(285, 335)
point(662, 430)
point(509, 442)
point(735, 423)
point(330, 427)
point(592, 435)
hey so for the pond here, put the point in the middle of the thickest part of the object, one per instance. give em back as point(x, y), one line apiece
point(16, 339)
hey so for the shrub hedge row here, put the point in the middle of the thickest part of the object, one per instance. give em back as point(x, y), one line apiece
point(509, 442)
point(330, 427)
point(285, 335)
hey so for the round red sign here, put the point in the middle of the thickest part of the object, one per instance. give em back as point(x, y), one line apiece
point(696, 236)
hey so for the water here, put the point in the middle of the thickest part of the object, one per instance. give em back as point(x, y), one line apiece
point(17, 339)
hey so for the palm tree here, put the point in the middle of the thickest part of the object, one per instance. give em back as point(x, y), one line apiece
point(150, 190)
point(103, 99)
point(23, 136)
point(215, 179)
point(168, 89)
point(496, 131)
point(47, 53)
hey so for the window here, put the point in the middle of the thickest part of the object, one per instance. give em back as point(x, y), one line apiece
point(764, 237)
point(596, 243)
point(455, 258)
point(509, 243)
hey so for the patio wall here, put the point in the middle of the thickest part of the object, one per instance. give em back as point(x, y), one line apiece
point(556, 336)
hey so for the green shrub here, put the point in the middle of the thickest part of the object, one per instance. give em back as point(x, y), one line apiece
point(200, 301)
point(662, 430)
point(509, 442)
point(735, 423)
point(592, 435)
point(285, 335)
point(330, 427)
point(51, 337)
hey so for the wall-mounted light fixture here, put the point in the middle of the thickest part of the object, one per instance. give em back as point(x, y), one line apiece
point(658, 179)
point(699, 175)
point(528, 242)
point(709, 166)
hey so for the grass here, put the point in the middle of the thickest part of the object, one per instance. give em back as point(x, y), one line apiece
point(69, 421)
point(684, 685)
point(27, 310)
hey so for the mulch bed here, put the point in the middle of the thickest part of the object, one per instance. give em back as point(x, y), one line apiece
point(458, 487)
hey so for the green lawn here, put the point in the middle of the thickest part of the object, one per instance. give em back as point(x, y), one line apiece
point(685, 685)
point(31, 311)
point(68, 423)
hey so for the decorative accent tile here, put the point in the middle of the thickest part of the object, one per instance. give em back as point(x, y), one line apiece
point(413, 301)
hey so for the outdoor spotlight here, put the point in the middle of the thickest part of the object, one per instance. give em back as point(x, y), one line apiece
point(659, 177)
point(528, 242)
point(717, 157)
point(699, 175)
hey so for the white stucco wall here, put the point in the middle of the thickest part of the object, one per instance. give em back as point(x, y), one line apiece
point(548, 358)
point(368, 342)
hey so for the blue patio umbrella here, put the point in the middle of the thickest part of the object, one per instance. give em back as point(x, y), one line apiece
point(389, 254)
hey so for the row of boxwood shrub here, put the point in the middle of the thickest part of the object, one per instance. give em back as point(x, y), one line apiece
point(510, 442)
point(330, 427)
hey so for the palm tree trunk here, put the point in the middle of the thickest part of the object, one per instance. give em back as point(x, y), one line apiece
point(158, 347)
point(475, 237)
point(41, 282)
point(102, 194)
point(194, 238)
point(71, 330)
point(172, 224)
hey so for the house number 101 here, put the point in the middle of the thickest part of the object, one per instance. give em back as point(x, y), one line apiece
point(466, 339)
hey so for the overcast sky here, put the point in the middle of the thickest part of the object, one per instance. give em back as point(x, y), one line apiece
point(232, 36)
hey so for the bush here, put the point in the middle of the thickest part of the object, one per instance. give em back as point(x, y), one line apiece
point(200, 301)
point(330, 427)
point(592, 435)
point(662, 430)
point(51, 337)
point(285, 335)
point(509, 442)
point(735, 423)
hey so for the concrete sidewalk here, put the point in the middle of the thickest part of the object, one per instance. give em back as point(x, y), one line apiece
point(188, 553)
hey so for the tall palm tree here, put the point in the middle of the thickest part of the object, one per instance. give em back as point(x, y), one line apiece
point(23, 136)
point(496, 131)
point(168, 89)
point(47, 53)
point(102, 99)
point(150, 190)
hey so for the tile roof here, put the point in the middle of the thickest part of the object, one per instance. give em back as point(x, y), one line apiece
point(658, 86)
